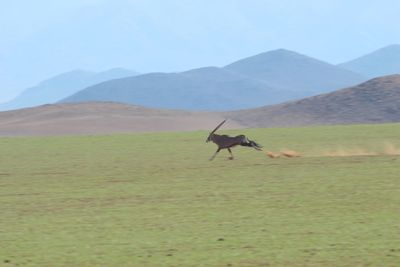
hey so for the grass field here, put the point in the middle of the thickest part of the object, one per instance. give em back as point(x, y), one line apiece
point(156, 200)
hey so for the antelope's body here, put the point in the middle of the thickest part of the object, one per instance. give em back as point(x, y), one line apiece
point(227, 142)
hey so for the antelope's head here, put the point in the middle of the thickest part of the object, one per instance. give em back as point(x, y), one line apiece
point(209, 138)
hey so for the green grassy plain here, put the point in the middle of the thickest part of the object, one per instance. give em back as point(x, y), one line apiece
point(156, 200)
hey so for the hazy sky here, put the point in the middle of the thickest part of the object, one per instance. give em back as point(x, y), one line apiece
point(41, 38)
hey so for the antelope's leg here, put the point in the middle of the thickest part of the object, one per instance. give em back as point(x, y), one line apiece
point(230, 152)
point(216, 152)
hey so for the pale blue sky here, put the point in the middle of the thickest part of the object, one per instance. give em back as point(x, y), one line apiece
point(42, 38)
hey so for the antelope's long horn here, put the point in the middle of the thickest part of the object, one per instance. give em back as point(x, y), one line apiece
point(219, 125)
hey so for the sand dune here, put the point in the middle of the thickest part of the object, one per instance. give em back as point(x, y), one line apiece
point(102, 118)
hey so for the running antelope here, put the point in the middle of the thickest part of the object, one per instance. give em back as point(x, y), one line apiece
point(227, 142)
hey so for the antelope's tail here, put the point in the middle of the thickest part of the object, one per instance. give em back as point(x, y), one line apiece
point(255, 145)
point(252, 144)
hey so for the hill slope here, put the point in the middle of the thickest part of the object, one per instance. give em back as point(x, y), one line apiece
point(101, 118)
point(61, 86)
point(375, 101)
point(268, 78)
point(384, 61)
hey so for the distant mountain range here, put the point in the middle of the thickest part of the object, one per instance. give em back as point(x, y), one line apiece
point(200, 89)
point(61, 86)
point(296, 73)
point(374, 101)
point(278, 76)
point(267, 78)
point(384, 61)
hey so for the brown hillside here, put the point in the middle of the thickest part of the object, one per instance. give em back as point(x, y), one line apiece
point(374, 101)
point(102, 118)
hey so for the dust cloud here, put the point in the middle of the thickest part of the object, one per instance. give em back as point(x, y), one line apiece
point(386, 148)
point(283, 153)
